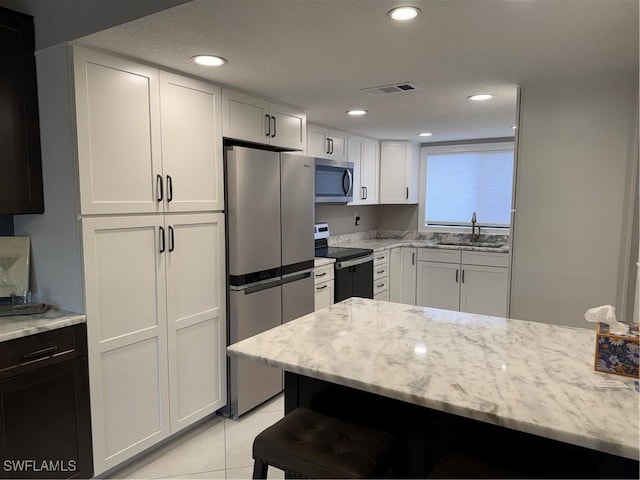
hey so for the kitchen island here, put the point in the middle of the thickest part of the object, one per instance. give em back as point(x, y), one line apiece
point(503, 389)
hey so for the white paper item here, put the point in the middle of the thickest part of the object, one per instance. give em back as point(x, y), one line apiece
point(606, 314)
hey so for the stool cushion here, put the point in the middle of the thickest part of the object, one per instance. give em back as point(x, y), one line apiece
point(316, 446)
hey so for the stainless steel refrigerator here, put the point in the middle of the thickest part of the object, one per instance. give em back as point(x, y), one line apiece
point(270, 248)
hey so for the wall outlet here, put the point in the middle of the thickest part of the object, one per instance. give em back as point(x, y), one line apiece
point(357, 221)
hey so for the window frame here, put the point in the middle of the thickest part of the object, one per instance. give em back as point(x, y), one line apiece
point(426, 150)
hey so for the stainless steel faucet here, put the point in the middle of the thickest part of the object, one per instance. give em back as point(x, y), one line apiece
point(474, 236)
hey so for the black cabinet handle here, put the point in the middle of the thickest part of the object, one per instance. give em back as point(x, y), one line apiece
point(321, 287)
point(274, 127)
point(159, 191)
point(380, 271)
point(161, 239)
point(331, 143)
point(172, 244)
point(413, 258)
point(328, 151)
point(268, 125)
point(463, 276)
point(366, 193)
point(169, 188)
point(321, 274)
point(39, 353)
point(457, 270)
point(380, 285)
point(407, 193)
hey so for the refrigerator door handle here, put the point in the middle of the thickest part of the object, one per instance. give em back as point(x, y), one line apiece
point(294, 277)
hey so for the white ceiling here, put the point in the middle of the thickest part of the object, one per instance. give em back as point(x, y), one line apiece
point(319, 54)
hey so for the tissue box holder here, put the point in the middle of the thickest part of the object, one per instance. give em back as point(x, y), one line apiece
point(617, 354)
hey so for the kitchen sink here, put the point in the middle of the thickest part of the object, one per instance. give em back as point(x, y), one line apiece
point(473, 244)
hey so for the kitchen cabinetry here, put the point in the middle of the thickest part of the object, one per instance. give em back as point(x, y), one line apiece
point(44, 406)
point(468, 281)
point(324, 289)
point(402, 275)
point(364, 154)
point(381, 275)
point(150, 275)
point(399, 172)
point(20, 164)
point(323, 142)
point(148, 141)
point(254, 119)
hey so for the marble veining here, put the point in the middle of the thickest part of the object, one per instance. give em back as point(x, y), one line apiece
point(528, 376)
point(12, 327)
point(384, 239)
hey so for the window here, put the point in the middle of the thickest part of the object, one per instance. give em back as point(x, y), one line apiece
point(461, 179)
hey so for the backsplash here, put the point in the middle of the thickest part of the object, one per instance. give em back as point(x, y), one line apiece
point(6, 225)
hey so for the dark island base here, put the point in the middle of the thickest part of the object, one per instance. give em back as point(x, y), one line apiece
point(428, 436)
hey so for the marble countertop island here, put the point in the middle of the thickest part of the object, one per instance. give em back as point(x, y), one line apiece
point(527, 376)
point(17, 326)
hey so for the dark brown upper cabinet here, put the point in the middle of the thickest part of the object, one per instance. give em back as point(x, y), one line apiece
point(20, 162)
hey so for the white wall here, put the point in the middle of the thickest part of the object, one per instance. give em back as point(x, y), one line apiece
point(577, 151)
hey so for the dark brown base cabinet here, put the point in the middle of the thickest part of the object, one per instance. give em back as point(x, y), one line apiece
point(45, 429)
point(20, 162)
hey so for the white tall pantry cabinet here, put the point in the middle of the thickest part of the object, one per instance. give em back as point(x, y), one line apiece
point(133, 235)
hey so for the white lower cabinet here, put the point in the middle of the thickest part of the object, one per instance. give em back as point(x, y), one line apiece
point(324, 287)
point(466, 281)
point(402, 275)
point(154, 289)
point(381, 276)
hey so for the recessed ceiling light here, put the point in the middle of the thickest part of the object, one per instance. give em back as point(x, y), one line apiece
point(403, 14)
point(425, 134)
point(478, 97)
point(209, 60)
point(357, 112)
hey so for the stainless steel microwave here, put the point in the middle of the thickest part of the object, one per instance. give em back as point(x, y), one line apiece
point(334, 181)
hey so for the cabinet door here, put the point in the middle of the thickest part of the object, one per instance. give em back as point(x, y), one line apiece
point(289, 127)
point(370, 171)
point(393, 166)
point(127, 335)
point(355, 154)
point(191, 144)
point(244, 117)
point(338, 150)
point(118, 128)
point(317, 141)
point(438, 285)
point(20, 164)
point(408, 259)
point(484, 290)
point(324, 295)
point(196, 319)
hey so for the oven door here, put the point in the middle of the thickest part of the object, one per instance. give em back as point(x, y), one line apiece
point(334, 181)
point(354, 278)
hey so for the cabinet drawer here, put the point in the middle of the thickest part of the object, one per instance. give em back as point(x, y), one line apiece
point(380, 285)
point(323, 274)
point(384, 296)
point(438, 255)
point(381, 257)
point(40, 350)
point(489, 259)
point(380, 271)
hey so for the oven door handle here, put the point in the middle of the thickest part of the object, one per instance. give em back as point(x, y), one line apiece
point(354, 262)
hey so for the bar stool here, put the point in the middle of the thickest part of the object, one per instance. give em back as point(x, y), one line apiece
point(307, 444)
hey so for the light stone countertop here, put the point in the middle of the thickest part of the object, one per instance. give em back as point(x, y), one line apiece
point(528, 376)
point(17, 326)
point(380, 244)
point(322, 261)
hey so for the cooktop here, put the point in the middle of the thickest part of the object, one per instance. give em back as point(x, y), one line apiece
point(339, 253)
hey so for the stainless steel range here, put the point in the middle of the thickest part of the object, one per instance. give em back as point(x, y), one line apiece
point(353, 266)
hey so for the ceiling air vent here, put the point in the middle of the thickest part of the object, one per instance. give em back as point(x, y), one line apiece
point(398, 87)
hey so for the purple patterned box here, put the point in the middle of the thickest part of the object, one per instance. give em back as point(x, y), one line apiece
point(618, 354)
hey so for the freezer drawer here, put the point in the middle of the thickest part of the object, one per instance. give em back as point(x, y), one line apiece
point(252, 311)
point(298, 296)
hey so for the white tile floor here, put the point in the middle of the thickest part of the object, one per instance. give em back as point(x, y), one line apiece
point(219, 448)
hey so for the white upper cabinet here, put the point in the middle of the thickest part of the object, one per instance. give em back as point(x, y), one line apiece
point(399, 169)
point(191, 144)
point(253, 119)
point(148, 141)
point(363, 153)
point(118, 133)
point(327, 143)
